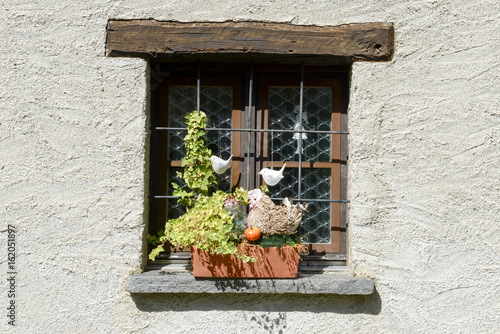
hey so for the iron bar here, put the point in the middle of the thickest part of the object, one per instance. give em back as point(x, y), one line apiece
point(198, 88)
point(163, 128)
point(249, 125)
point(312, 200)
point(301, 105)
point(280, 199)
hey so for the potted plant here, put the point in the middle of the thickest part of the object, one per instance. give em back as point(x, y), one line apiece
point(224, 242)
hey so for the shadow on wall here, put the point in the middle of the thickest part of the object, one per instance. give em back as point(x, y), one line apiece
point(289, 302)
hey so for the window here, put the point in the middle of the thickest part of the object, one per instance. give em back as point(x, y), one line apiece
point(254, 114)
point(253, 109)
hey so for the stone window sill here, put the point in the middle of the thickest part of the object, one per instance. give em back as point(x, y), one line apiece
point(159, 281)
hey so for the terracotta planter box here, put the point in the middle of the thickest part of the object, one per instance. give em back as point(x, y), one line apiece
point(276, 263)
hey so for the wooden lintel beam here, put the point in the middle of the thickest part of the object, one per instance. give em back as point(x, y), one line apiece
point(159, 39)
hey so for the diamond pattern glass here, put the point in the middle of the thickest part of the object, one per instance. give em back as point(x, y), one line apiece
point(316, 115)
point(316, 183)
point(217, 103)
point(174, 210)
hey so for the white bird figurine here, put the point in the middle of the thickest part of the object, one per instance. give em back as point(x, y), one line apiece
point(219, 165)
point(272, 177)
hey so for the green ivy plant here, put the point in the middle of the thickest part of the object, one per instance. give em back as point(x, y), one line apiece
point(197, 169)
point(206, 225)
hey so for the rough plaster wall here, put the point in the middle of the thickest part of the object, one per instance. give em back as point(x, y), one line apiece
point(424, 189)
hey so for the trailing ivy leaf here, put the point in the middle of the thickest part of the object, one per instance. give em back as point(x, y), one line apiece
point(155, 252)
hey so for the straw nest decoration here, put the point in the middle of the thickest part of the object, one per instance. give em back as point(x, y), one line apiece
point(271, 219)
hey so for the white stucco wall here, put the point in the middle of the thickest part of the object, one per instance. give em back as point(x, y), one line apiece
point(423, 183)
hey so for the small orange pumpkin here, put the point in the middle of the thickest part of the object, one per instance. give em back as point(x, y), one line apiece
point(252, 233)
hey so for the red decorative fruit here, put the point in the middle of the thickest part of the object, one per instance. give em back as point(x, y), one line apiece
point(252, 233)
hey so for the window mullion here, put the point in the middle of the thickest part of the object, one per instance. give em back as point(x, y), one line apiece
point(301, 104)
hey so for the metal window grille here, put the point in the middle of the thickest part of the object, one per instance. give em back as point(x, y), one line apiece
point(250, 130)
point(299, 190)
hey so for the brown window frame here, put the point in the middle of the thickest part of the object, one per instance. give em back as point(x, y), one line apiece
point(337, 227)
point(163, 162)
point(237, 75)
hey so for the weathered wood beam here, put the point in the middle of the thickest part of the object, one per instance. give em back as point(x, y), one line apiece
point(157, 39)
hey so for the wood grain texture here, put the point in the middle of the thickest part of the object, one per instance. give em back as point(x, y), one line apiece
point(156, 39)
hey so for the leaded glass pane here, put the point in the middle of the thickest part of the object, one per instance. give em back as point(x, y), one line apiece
point(174, 210)
point(316, 184)
point(284, 115)
point(216, 102)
